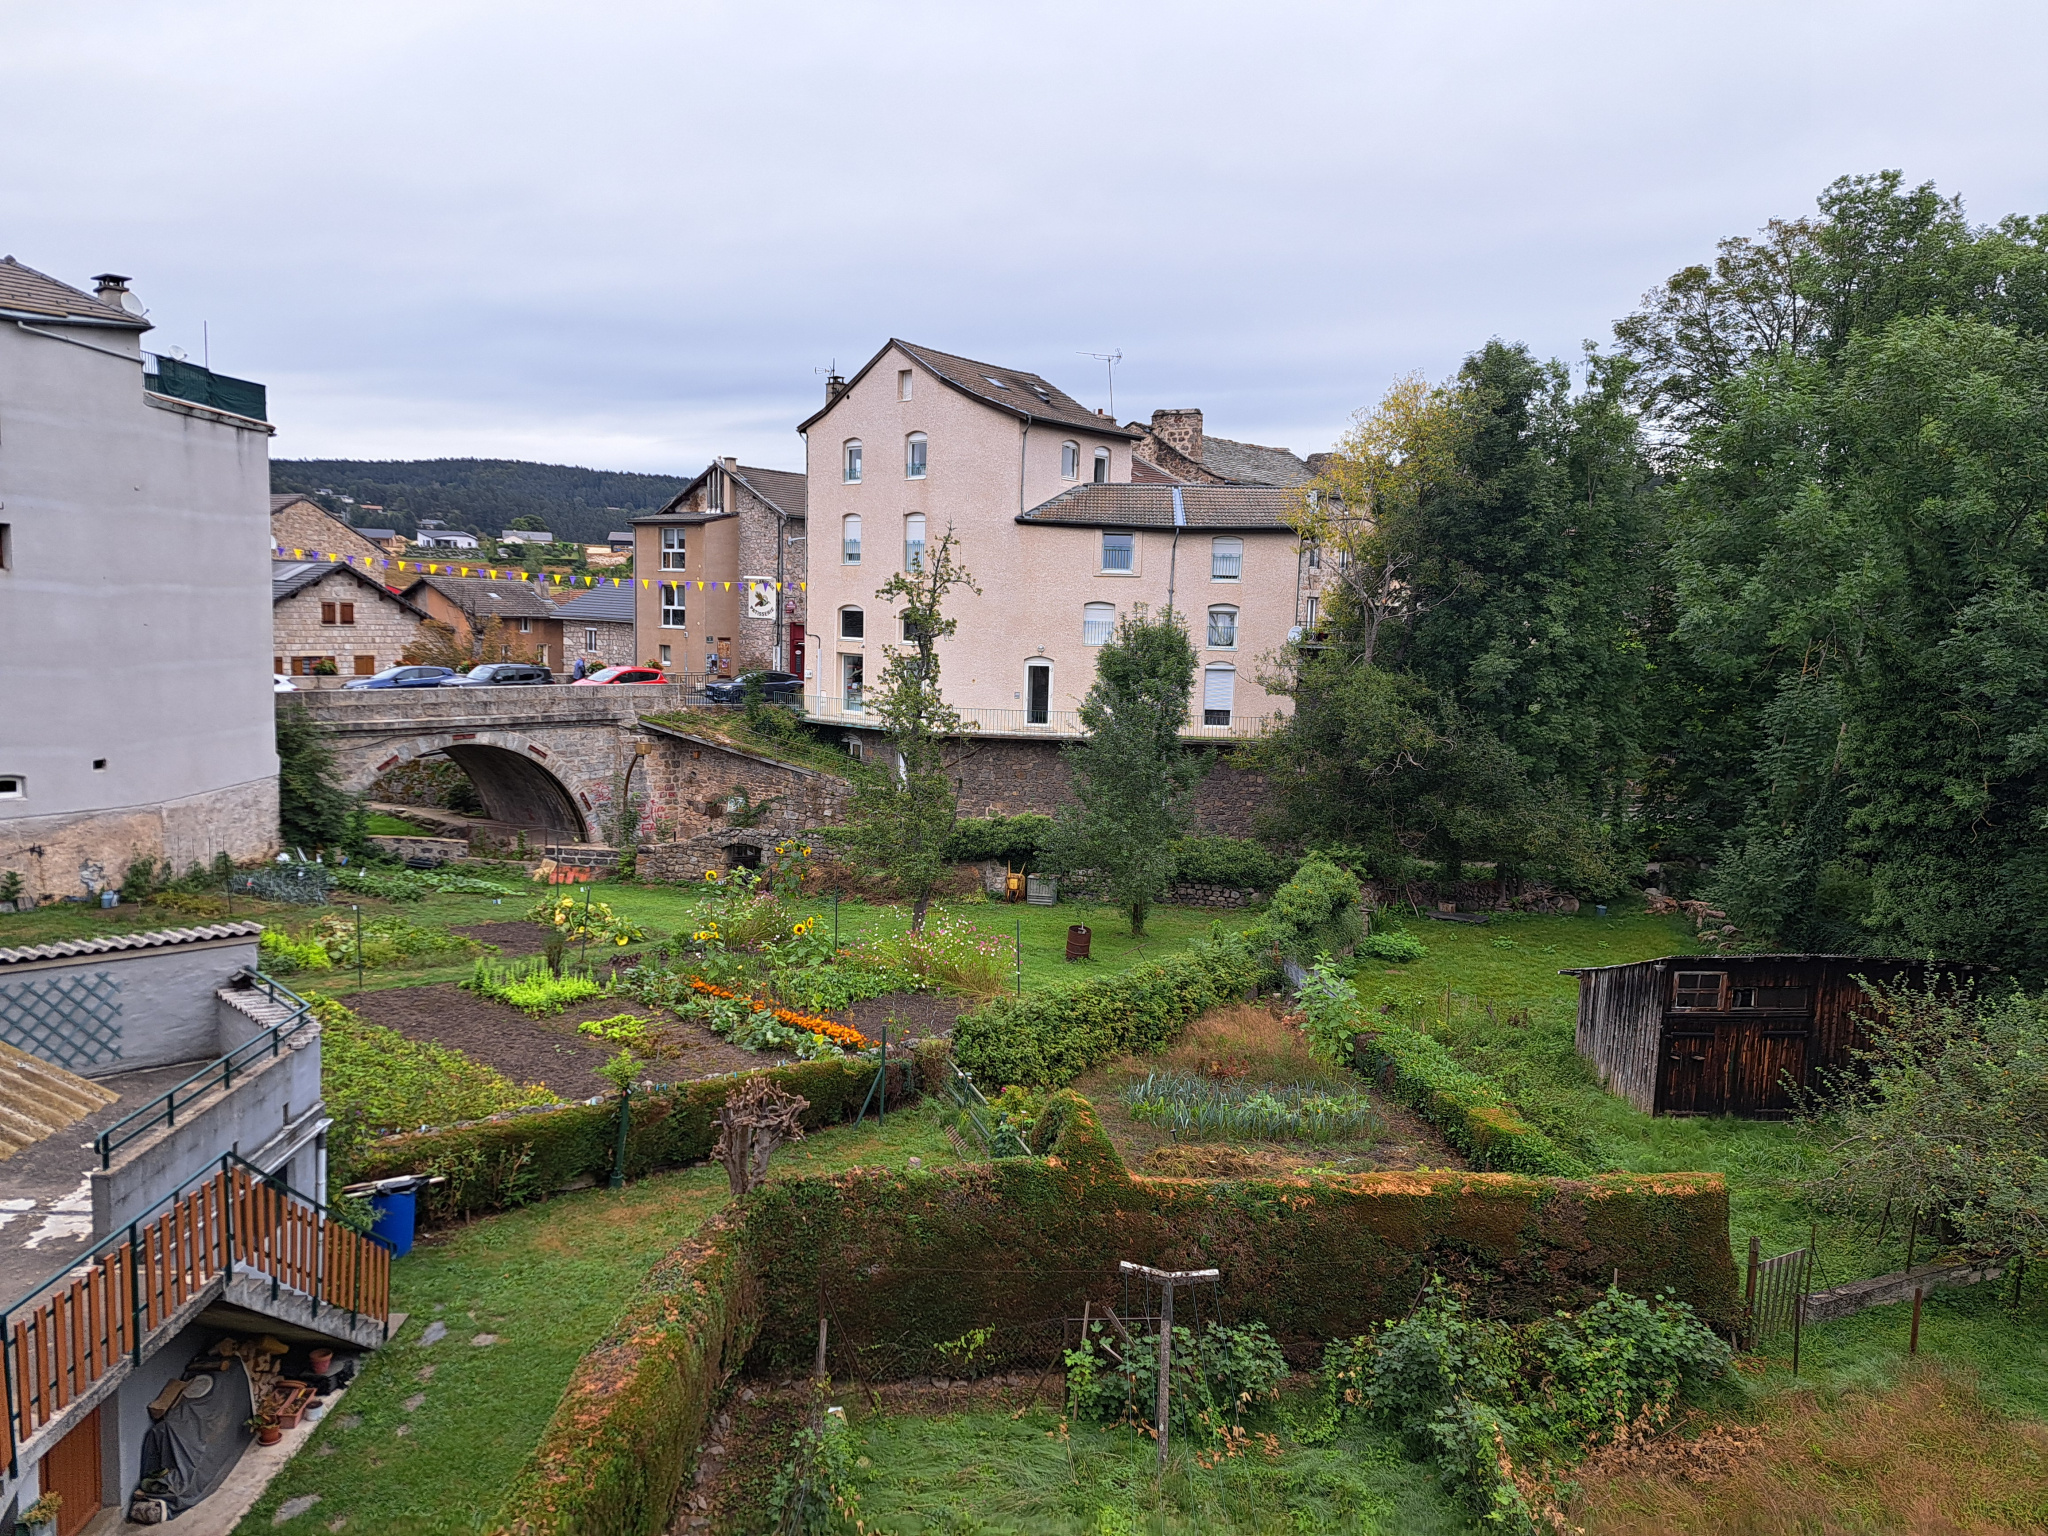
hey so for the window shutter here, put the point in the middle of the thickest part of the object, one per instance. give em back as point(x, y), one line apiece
point(348, 613)
point(1219, 684)
point(327, 613)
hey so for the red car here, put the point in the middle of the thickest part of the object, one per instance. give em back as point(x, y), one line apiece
point(622, 675)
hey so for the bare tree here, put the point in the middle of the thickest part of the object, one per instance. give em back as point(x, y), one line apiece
point(757, 1117)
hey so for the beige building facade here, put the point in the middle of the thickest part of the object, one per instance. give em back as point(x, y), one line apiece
point(1037, 490)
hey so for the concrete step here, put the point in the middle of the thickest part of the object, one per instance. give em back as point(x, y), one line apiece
point(256, 1004)
point(37, 1098)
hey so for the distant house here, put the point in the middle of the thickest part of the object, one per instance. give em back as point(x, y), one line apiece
point(390, 540)
point(531, 624)
point(621, 543)
point(526, 536)
point(598, 626)
point(322, 612)
point(301, 527)
point(1174, 448)
point(726, 566)
point(434, 534)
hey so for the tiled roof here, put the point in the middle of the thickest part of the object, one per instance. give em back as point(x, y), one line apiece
point(66, 949)
point(279, 500)
point(1145, 472)
point(480, 597)
point(786, 488)
point(378, 533)
point(1253, 463)
point(625, 536)
point(1007, 389)
point(288, 577)
point(1248, 507)
point(26, 290)
point(600, 605)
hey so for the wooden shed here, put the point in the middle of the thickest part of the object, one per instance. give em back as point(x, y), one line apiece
point(1729, 1034)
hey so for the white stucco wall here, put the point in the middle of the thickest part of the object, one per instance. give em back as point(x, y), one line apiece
point(134, 618)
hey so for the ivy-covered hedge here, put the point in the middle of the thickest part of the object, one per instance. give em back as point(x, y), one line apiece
point(491, 1165)
point(1237, 862)
point(903, 1260)
point(1052, 1037)
point(1473, 1115)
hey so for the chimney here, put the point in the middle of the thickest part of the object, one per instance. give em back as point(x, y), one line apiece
point(732, 465)
point(112, 290)
point(1180, 429)
point(835, 386)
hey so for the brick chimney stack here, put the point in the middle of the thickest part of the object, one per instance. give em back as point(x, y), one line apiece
point(835, 386)
point(1180, 429)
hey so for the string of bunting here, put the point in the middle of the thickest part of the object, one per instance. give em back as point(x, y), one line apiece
point(498, 572)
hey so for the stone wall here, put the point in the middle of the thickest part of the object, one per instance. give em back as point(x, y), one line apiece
point(1229, 797)
point(754, 641)
point(710, 806)
point(995, 777)
point(81, 853)
point(614, 644)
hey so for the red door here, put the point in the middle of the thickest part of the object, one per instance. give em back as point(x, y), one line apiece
point(72, 1470)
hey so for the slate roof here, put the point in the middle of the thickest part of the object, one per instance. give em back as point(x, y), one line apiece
point(480, 597)
point(1011, 390)
point(784, 488)
point(1247, 508)
point(28, 291)
point(1253, 463)
point(66, 949)
point(378, 533)
point(279, 500)
point(288, 577)
point(600, 605)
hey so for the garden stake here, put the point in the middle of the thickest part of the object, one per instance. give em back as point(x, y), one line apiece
point(619, 1153)
point(359, 944)
point(1168, 1280)
point(1020, 957)
point(586, 928)
point(1913, 1348)
point(835, 922)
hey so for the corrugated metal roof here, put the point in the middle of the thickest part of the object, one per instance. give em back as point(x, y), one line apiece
point(115, 943)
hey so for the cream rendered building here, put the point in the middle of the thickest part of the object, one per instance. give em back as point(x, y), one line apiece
point(1038, 491)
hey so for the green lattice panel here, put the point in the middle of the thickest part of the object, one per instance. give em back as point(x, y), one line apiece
point(72, 1020)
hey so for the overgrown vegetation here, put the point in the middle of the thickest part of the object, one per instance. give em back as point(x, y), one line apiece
point(313, 811)
point(1195, 1108)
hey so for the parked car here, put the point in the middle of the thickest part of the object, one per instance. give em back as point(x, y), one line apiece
point(622, 675)
point(279, 683)
point(780, 687)
point(403, 677)
point(499, 674)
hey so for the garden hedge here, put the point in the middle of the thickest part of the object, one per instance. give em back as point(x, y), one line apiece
point(511, 1159)
point(1052, 1037)
point(1473, 1115)
point(903, 1260)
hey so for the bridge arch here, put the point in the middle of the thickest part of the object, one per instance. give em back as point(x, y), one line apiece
point(511, 776)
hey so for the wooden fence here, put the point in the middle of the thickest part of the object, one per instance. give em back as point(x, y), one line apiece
point(62, 1341)
point(1775, 1295)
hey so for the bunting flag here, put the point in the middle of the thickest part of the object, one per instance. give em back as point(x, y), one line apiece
point(373, 563)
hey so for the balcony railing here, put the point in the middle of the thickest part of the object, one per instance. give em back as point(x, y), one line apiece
point(1023, 722)
point(163, 1109)
point(76, 1327)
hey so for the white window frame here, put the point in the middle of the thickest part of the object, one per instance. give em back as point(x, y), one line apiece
point(902, 383)
point(860, 617)
point(1101, 466)
point(675, 552)
point(1098, 623)
point(916, 456)
point(590, 640)
point(1228, 613)
point(674, 610)
point(849, 539)
point(1070, 460)
point(1129, 567)
point(526, 626)
point(1038, 664)
point(852, 682)
point(1226, 558)
point(13, 786)
point(913, 541)
point(850, 461)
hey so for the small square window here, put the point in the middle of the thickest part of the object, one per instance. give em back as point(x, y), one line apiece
point(664, 656)
point(1118, 551)
point(99, 765)
point(1699, 991)
point(13, 787)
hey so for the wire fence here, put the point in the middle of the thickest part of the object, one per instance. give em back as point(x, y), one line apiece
point(997, 1137)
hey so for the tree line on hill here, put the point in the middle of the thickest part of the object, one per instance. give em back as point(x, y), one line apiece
point(484, 496)
point(1757, 595)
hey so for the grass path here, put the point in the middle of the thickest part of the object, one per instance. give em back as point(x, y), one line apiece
point(431, 1435)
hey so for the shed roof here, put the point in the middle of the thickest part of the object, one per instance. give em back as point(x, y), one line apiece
point(113, 943)
point(1708, 962)
point(1215, 508)
point(27, 291)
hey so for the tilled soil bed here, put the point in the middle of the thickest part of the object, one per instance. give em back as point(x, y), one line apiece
point(511, 938)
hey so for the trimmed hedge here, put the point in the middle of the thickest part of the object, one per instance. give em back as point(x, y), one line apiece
point(1052, 1037)
point(903, 1260)
point(492, 1165)
point(1236, 862)
point(1473, 1115)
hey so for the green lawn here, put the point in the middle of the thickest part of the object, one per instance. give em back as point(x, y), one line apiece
point(379, 825)
point(429, 1437)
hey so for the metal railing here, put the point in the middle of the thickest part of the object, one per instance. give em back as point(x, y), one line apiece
point(75, 1327)
point(163, 1109)
point(998, 1138)
point(1025, 722)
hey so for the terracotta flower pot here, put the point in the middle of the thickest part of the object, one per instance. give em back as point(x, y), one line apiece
point(323, 1361)
point(269, 1434)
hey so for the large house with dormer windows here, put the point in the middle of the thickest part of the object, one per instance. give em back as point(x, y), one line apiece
point(1064, 527)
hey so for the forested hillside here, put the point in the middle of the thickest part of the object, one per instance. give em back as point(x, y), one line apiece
point(482, 495)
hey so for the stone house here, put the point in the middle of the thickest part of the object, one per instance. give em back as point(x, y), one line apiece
point(1173, 447)
point(721, 573)
point(1063, 538)
point(300, 528)
point(598, 625)
point(467, 604)
point(336, 613)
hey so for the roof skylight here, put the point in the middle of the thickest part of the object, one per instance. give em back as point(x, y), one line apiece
point(999, 384)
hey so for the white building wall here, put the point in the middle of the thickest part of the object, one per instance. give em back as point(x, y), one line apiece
point(134, 618)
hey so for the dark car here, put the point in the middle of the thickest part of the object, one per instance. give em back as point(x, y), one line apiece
point(778, 687)
point(500, 674)
point(403, 677)
point(622, 675)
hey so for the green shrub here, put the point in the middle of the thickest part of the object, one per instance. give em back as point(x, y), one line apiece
point(1316, 911)
point(1237, 862)
point(1015, 841)
point(529, 985)
point(1473, 1115)
point(393, 884)
point(284, 955)
point(1052, 1037)
point(1396, 947)
point(387, 939)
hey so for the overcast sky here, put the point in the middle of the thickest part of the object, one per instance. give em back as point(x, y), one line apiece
point(632, 235)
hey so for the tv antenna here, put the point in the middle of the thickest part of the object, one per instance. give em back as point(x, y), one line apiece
point(1109, 360)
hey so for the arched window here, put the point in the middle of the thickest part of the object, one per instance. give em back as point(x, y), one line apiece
point(849, 539)
point(913, 541)
point(1102, 466)
point(1070, 461)
point(913, 456)
point(1098, 623)
point(853, 624)
point(1226, 559)
point(850, 471)
point(1222, 629)
point(1219, 689)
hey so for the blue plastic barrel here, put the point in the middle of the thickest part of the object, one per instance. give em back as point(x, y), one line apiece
point(392, 1217)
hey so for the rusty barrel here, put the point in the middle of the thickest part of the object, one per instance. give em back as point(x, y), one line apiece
point(1078, 938)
